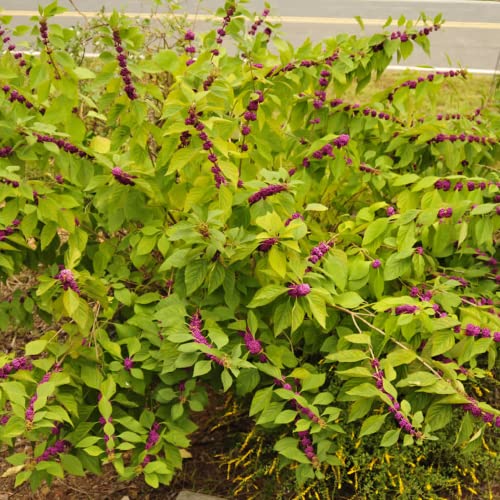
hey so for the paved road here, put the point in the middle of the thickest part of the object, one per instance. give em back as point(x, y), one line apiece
point(470, 38)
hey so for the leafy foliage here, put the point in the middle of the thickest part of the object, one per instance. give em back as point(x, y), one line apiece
point(197, 218)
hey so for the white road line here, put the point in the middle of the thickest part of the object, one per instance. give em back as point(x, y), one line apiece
point(280, 19)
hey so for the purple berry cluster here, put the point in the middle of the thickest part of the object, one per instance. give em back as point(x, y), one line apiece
point(463, 138)
point(194, 120)
point(405, 37)
point(11, 47)
point(445, 360)
point(15, 96)
point(121, 57)
point(412, 84)
point(9, 229)
point(406, 309)
point(390, 211)
point(438, 312)
point(255, 26)
point(208, 82)
point(376, 263)
point(267, 244)
point(128, 364)
point(319, 251)
point(303, 64)
point(471, 330)
point(442, 185)
point(474, 409)
point(294, 216)
point(250, 115)
point(307, 446)
point(122, 177)
point(341, 141)
point(382, 115)
point(61, 143)
point(297, 406)
point(103, 421)
point(423, 294)
point(298, 289)
point(319, 154)
point(448, 116)
point(366, 111)
point(267, 191)
point(253, 345)
point(486, 259)
point(482, 301)
point(29, 414)
point(195, 327)
point(56, 428)
point(5, 151)
point(320, 95)
point(327, 150)
point(445, 213)
point(44, 33)
point(189, 49)
point(221, 32)
point(59, 446)
point(153, 438)
point(363, 167)
point(395, 407)
point(457, 116)
point(463, 282)
point(4, 419)
point(65, 276)
point(14, 366)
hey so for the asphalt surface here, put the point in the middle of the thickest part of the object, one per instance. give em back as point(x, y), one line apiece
point(470, 38)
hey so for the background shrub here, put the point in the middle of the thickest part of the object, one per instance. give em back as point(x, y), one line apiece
point(201, 217)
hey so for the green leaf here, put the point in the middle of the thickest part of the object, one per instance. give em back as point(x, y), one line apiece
point(390, 438)
point(277, 261)
point(87, 441)
point(358, 371)
point(372, 424)
point(195, 275)
point(358, 338)
point(71, 465)
point(202, 367)
point(318, 307)
point(247, 381)
point(349, 300)
point(71, 302)
point(260, 400)
point(347, 356)
point(313, 381)
point(396, 265)
point(375, 230)
point(365, 390)
point(285, 417)
point(418, 379)
point(266, 295)
point(400, 357)
point(442, 342)
point(438, 416)
point(35, 347)
point(226, 379)
point(316, 207)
